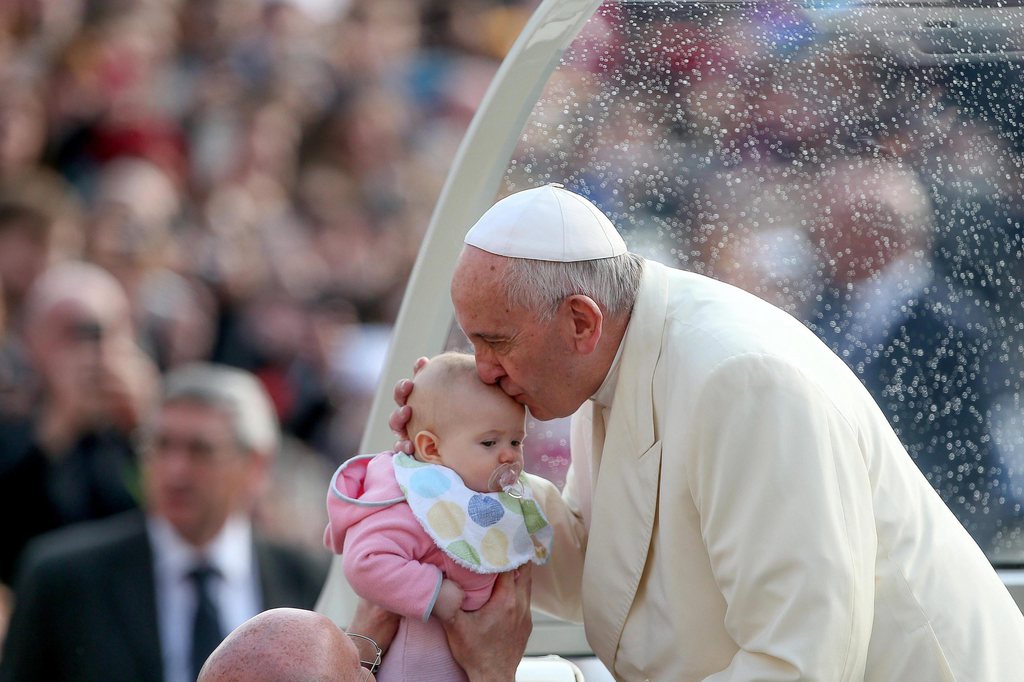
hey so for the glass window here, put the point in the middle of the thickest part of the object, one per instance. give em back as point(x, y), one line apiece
point(855, 165)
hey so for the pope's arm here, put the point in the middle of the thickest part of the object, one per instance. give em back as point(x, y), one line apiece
point(557, 585)
point(785, 505)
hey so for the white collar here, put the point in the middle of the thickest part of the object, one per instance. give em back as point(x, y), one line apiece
point(606, 391)
point(230, 551)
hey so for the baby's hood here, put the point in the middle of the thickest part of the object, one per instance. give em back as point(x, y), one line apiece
point(362, 486)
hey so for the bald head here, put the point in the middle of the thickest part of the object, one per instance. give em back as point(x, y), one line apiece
point(285, 645)
point(878, 212)
point(76, 284)
point(72, 307)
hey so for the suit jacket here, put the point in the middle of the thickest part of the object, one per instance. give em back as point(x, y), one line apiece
point(86, 602)
point(93, 478)
point(746, 513)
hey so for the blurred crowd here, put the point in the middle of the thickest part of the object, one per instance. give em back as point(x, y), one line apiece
point(248, 182)
point(876, 198)
point(240, 181)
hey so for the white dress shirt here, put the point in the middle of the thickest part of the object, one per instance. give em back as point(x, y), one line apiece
point(235, 591)
point(602, 400)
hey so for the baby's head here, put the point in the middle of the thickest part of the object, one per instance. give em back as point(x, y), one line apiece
point(463, 423)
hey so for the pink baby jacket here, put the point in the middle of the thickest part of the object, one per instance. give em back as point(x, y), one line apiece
point(387, 556)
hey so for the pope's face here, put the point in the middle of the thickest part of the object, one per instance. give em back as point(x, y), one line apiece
point(531, 360)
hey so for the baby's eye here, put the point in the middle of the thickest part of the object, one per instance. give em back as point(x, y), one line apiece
point(516, 443)
point(487, 443)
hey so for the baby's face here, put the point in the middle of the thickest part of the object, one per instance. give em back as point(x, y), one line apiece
point(485, 430)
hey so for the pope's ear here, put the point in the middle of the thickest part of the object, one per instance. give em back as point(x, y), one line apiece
point(586, 323)
point(426, 445)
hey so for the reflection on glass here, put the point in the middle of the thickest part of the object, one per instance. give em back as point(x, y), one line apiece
point(876, 200)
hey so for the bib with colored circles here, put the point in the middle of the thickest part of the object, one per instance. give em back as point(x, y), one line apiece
point(484, 532)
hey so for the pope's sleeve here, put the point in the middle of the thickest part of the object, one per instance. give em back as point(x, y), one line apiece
point(381, 562)
point(557, 585)
point(785, 505)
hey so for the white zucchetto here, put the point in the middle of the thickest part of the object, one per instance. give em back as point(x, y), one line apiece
point(547, 223)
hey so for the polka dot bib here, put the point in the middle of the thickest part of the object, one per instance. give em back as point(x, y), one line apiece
point(484, 532)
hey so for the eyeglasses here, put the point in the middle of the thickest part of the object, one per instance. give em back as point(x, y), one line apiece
point(364, 661)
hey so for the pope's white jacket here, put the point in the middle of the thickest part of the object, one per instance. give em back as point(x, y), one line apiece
point(751, 515)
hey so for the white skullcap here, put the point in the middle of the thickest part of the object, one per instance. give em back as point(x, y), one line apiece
point(546, 223)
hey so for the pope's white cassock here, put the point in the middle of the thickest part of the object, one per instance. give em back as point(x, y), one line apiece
point(739, 509)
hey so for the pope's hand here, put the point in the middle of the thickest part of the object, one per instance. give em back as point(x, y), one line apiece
point(403, 413)
point(489, 643)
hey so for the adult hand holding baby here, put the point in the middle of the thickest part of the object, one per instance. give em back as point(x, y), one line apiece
point(490, 642)
point(399, 420)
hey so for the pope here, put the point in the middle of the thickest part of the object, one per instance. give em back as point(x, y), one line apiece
point(737, 507)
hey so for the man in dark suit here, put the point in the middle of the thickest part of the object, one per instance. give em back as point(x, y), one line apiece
point(90, 384)
point(147, 596)
point(926, 354)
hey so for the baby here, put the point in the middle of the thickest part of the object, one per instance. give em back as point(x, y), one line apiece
point(426, 535)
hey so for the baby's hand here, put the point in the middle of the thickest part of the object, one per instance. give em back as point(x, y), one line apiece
point(449, 600)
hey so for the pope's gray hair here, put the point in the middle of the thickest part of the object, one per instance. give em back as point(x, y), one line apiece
point(541, 286)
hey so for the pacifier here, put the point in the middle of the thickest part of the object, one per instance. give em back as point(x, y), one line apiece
point(506, 479)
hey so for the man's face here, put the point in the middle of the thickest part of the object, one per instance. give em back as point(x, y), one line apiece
point(78, 346)
point(196, 474)
point(531, 360)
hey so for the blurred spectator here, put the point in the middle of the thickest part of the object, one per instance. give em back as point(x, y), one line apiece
point(257, 177)
point(72, 459)
point(752, 232)
point(926, 361)
point(877, 201)
point(176, 319)
point(130, 232)
point(244, 161)
point(22, 126)
point(148, 597)
point(134, 206)
point(39, 224)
